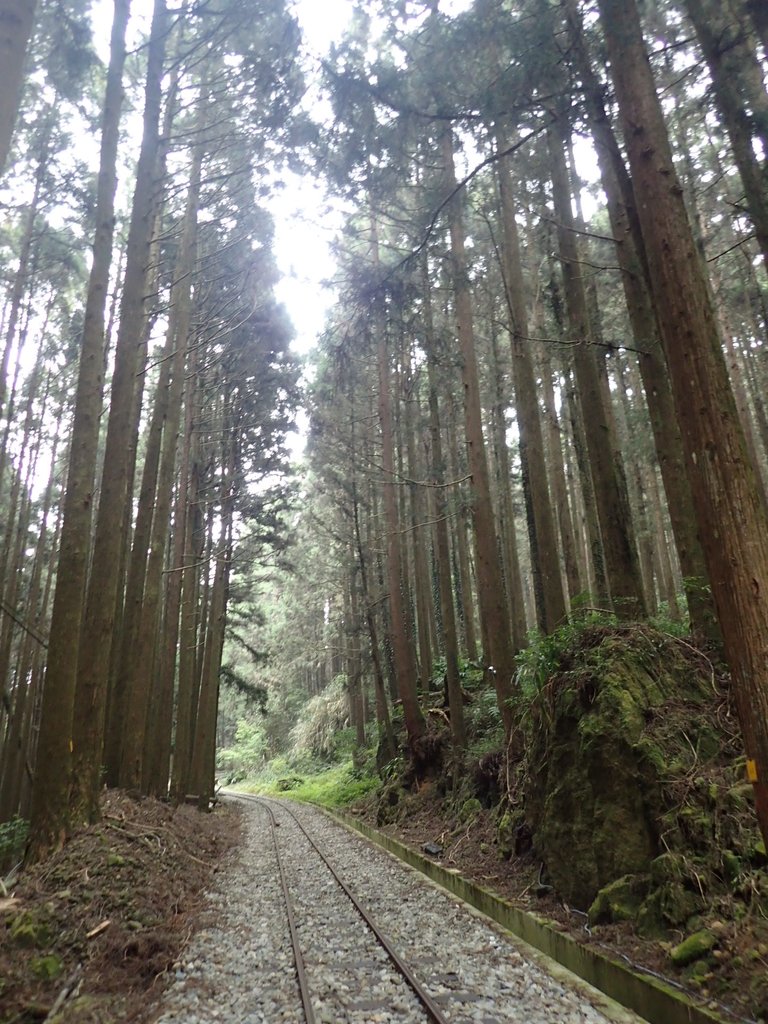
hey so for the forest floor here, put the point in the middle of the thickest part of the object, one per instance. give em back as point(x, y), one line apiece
point(88, 935)
point(736, 983)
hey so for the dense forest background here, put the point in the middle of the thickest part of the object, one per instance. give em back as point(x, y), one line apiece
point(538, 398)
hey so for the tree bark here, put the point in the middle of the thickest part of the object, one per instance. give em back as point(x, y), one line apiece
point(548, 582)
point(186, 702)
point(499, 657)
point(558, 479)
point(732, 519)
point(509, 552)
point(632, 259)
point(419, 532)
point(21, 277)
point(619, 548)
point(139, 684)
point(447, 614)
point(402, 647)
point(68, 597)
point(105, 580)
point(464, 588)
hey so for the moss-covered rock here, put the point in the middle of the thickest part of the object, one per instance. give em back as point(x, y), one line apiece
point(650, 921)
point(693, 948)
point(629, 771)
point(470, 809)
point(620, 900)
point(740, 796)
point(508, 833)
point(676, 894)
point(288, 783)
point(601, 752)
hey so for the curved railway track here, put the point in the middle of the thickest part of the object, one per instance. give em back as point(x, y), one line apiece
point(430, 1010)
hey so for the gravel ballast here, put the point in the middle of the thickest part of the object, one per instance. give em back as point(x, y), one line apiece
point(240, 969)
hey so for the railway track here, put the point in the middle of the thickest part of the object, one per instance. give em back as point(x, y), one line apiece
point(303, 946)
point(287, 943)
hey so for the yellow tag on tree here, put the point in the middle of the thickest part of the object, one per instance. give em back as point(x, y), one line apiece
point(752, 771)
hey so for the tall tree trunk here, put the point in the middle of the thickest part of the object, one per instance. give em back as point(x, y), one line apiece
point(558, 479)
point(739, 387)
point(98, 619)
point(509, 552)
point(625, 413)
point(619, 548)
point(173, 600)
point(21, 277)
point(582, 493)
point(407, 564)
point(630, 252)
point(139, 684)
point(465, 590)
point(593, 557)
point(386, 732)
point(419, 532)
point(204, 746)
point(499, 657)
point(732, 519)
point(193, 553)
point(14, 752)
point(16, 21)
point(447, 615)
point(67, 613)
point(663, 554)
point(402, 647)
point(548, 583)
point(354, 664)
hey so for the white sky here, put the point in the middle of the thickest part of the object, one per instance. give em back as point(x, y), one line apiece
point(304, 228)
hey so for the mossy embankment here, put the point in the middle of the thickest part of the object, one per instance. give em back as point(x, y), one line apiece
point(627, 802)
point(633, 769)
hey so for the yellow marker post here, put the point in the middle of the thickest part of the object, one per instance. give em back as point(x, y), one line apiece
point(752, 770)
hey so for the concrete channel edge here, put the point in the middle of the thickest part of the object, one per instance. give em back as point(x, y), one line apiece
point(648, 997)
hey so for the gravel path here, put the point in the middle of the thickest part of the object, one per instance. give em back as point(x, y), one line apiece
point(240, 969)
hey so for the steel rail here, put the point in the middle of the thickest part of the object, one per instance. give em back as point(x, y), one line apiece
point(298, 959)
point(434, 1012)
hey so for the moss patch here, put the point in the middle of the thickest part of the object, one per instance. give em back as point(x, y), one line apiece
point(620, 900)
point(693, 948)
point(30, 930)
point(47, 968)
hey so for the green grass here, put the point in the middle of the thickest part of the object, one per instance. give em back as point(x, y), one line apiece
point(335, 786)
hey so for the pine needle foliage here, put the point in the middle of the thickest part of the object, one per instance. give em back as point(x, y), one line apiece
point(321, 719)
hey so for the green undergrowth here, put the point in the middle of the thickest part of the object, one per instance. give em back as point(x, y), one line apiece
point(13, 837)
point(331, 786)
